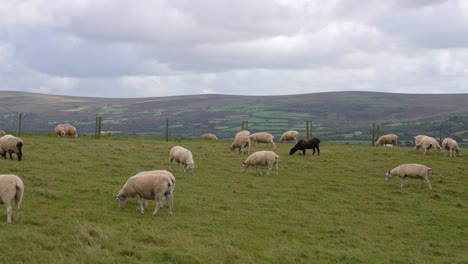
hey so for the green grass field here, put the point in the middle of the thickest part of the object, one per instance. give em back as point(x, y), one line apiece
point(333, 208)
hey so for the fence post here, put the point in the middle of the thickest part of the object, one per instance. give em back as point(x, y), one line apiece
point(377, 133)
point(440, 136)
point(167, 129)
point(243, 125)
point(20, 124)
point(307, 128)
point(246, 125)
point(373, 134)
point(311, 129)
point(99, 127)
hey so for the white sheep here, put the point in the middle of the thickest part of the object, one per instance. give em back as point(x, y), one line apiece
point(182, 156)
point(387, 139)
point(243, 133)
point(106, 133)
point(241, 143)
point(59, 130)
point(209, 136)
point(70, 130)
point(148, 185)
point(11, 186)
point(2, 133)
point(261, 158)
point(263, 137)
point(417, 139)
point(11, 144)
point(289, 135)
point(452, 146)
point(427, 143)
point(410, 170)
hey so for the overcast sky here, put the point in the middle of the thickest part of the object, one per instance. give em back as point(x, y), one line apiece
point(132, 48)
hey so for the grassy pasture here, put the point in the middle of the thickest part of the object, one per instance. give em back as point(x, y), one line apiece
point(332, 208)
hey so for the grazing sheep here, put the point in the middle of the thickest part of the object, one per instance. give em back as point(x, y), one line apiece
point(241, 142)
point(2, 133)
point(412, 171)
point(11, 144)
point(289, 135)
point(307, 143)
point(417, 139)
point(106, 133)
point(59, 130)
point(243, 133)
point(209, 136)
point(262, 158)
point(11, 186)
point(148, 185)
point(263, 137)
point(452, 146)
point(70, 130)
point(427, 143)
point(182, 156)
point(387, 139)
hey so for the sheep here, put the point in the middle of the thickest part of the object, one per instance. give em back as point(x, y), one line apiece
point(412, 171)
point(452, 146)
point(417, 139)
point(182, 156)
point(11, 186)
point(60, 130)
point(243, 133)
point(70, 130)
point(209, 136)
point(427, 143)
point(11, 144)
point(2, 133)
point(307, 143)
point(106, 133)
point(241, 142)
point(148, 185)
point(289, 135)
point(263, 137)
point(387, 139)
point(261, 158)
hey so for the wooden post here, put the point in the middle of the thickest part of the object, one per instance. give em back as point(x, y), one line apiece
point(373, 134)
point(99, 126)
point(167, 129)
point(246, 125)
point(20, 124)
point(243, 125)
point(377, 133)
point(307, 128)
point(311, 130)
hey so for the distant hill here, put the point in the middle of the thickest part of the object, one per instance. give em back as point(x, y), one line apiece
point(335, 115)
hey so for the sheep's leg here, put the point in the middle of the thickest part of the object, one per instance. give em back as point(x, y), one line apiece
point(169, 203)
point(276, 167)
point(158, 205)
point(8, 207)
point(17, 207)
point(259, 170)
point(318, 151)
point(269, 169)
point(141, 202)
point(429, 183)
point(170, 164)
point(11, 157)
point(401, 181)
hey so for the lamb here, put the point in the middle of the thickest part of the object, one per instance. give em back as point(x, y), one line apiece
point(60, 130)
point(307, 143)
point(11, 144)
point(261, 158)
point(70, 130)
point(289, 135)
point(148, 185)
point(11, 186)
point(182, 156)
point(209, 136)
point(412, 171)
point(263, 137)
point(387, 139)
point(241, 142)
point(452, 146)
point(427, 143)
point(106, 133)
point(2, 133)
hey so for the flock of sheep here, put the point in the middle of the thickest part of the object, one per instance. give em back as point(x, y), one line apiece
point(418, 170)
point(160, 184)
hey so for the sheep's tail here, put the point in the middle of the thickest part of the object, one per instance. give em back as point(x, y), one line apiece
point(19, 192)
point(429, 169)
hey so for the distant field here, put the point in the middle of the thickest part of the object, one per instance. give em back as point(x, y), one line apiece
point(332, 208)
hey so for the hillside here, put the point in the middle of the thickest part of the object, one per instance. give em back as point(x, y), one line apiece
point(335, 116)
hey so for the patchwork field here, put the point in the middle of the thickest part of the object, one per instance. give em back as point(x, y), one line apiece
point(331, 208)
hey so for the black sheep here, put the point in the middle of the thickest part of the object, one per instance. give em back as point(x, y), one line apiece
point(307, 143)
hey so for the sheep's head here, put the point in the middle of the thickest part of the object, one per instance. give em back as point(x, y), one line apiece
point(121, 200)
point(191, 167)
point(244, 167)
point(388, 176)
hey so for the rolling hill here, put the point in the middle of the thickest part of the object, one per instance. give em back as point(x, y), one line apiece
point(335, 115)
